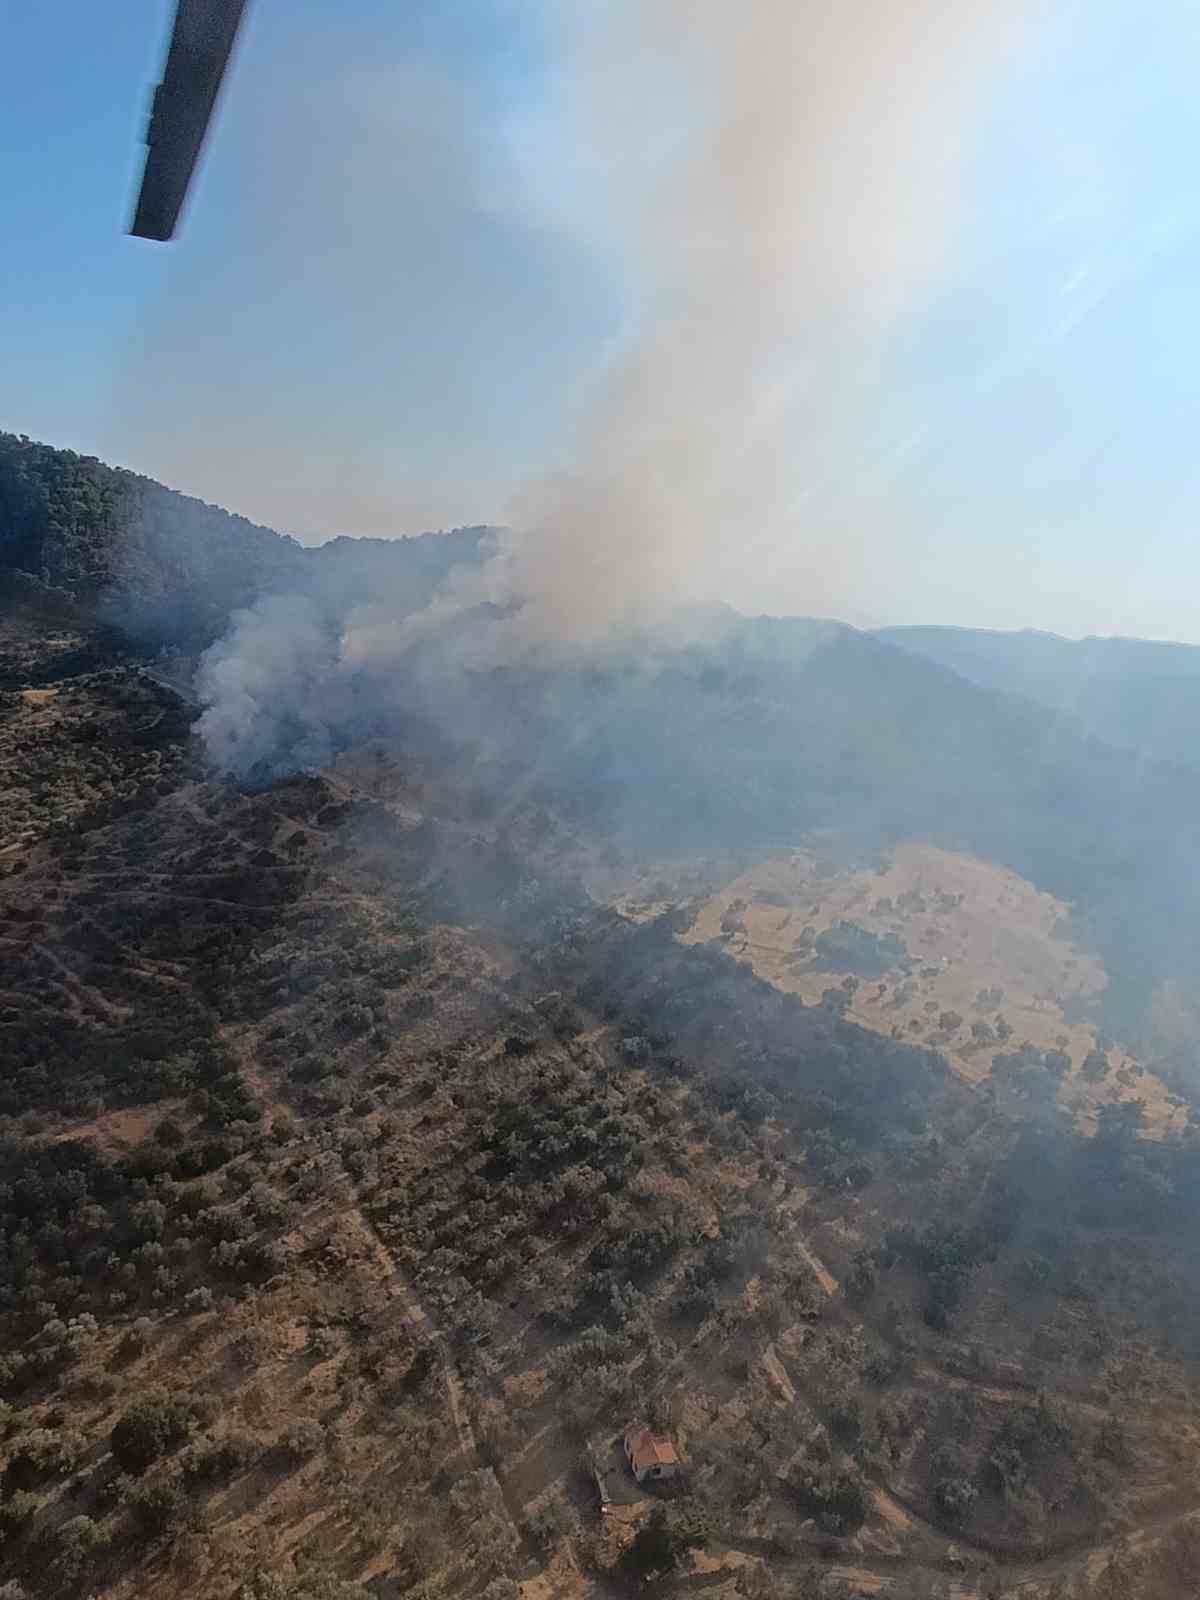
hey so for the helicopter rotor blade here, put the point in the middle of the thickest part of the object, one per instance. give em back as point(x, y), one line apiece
point(201, 43)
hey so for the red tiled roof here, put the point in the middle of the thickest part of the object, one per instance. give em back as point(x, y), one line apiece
point(648, 1449)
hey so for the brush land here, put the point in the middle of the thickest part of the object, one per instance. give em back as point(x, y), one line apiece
point(377, 1142)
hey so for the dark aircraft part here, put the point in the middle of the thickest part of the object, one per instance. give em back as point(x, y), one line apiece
point(183, 103)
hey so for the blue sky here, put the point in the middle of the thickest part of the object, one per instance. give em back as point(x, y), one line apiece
point(400, 272)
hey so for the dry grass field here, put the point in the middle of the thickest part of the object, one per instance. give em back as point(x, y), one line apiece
point(990, 968)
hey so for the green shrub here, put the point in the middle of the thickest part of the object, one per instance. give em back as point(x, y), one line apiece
point(954, 1496)
point(39, 1455)
point(154, 1425)
point(156, 1502)
point(73, 1546)
point(667, 1534)
point(211, 1460)
point(16, 1513)
point(836, 1498)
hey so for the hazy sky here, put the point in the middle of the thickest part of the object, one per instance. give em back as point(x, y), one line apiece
point(420, 240)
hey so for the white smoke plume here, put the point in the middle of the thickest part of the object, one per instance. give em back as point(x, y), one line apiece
point(270, 687)
point(783, 178)
point(779, 181)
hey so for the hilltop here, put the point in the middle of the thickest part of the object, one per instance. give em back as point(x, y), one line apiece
point(168, 569)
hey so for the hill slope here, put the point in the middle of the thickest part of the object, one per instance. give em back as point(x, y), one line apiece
point(768, 729)
point(1140, 694)
point(170, 569)
point(364, 1170)
point(360, 1175)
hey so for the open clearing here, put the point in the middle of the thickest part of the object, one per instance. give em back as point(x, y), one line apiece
point(984, 946)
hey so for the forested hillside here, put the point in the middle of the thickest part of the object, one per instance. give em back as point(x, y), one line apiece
point(168, 568)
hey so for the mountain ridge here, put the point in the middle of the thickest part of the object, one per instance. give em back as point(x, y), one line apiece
point(169, 568)
point(1140, 694)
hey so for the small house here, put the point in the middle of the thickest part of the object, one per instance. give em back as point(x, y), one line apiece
point(650, 1455)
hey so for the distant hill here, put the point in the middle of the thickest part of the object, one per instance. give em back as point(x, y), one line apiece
point(1141, 694)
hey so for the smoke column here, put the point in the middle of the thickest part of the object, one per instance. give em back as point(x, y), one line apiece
point(782, 180)
point(779, 183)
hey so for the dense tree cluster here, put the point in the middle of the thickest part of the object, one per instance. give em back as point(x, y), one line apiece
point(848, 948)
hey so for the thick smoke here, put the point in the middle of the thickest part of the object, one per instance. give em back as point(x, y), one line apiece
point(272, 688)
point(783, 179)
point(779, 180)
